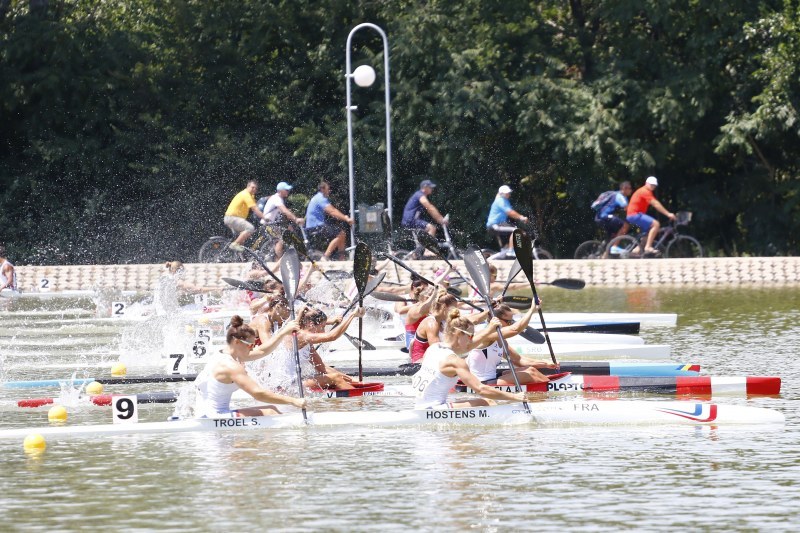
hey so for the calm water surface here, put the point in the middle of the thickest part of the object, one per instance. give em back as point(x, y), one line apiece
point(485, 479)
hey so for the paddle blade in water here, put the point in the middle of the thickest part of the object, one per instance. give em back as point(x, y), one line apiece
point(478, 269)
point(290, 272)
point(362, 263)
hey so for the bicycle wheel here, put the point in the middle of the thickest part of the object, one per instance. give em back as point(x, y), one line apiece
point(541, 254)
point(215, 250)
point(623, 247)
point(590, 250)
point(684, 246)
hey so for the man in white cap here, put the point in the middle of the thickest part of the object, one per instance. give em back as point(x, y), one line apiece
point(637, 212)
point(498, 224)
point(278, 215)
point(414, 209)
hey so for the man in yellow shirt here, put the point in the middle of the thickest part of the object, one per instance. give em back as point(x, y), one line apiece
point(236, 214)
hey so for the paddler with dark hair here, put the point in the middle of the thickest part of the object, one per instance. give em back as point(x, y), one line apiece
point(487, 353)
point(226, 374)
point(444, 365)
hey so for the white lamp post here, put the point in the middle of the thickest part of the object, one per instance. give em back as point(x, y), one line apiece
point(364, 76)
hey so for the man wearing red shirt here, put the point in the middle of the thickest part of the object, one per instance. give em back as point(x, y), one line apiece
point(637, 212)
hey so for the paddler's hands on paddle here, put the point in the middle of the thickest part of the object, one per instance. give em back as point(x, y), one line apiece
point(300, 403)
point(289, 327)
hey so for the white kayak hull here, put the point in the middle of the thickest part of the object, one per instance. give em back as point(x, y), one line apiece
point(562, 351)
point(557, 413)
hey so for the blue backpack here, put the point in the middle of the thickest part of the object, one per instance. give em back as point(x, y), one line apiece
point(605, 199)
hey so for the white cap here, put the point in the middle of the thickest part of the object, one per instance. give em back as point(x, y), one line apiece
point(652, 181)
point(504, 189)
point(283, 186)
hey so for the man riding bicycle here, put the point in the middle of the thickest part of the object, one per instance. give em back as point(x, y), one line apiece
point(317, 225)
point(497, 225)
point(637, 213)
point(236, 214)
point(606, 218)
point(414, 209)
point(278, 216)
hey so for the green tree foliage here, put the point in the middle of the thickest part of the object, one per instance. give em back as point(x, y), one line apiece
point(128, 126)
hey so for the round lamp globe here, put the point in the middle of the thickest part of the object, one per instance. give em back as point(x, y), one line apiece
point(364, 76)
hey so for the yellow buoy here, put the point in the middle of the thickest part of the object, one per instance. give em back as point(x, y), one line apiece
point(189, 328)
point(118, 369)
point(57, 413)
point(34, 443)
point(204, 320)
point(94, 388)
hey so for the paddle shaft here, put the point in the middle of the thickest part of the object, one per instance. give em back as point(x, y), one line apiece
point(297, 359)
point(429, 282)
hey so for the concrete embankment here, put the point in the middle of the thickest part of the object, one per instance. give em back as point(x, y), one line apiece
point(763, 271)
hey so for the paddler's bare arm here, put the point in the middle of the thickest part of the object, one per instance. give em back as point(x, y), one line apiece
point(270, 343)
point(249, 385)
point(471, 381)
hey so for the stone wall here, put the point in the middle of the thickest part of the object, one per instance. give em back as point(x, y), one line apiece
point(706, 271)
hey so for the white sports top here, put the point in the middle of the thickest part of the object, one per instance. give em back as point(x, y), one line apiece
point(430, 385)
point(483, 362)
point(272, 208)
point(3, 278)
point(213, 397)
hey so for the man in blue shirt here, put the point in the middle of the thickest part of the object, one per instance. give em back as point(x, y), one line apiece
point(606, 219)
point(498, 224)
point(318, 225)
point(413, 212)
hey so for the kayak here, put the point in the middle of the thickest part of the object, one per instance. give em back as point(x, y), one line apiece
point(556, 413)
point(594, 368)
point(680, 385)
point(360, 389)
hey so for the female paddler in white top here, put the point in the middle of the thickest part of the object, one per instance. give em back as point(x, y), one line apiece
point(487, 353)
point(226, 374)
point(444, 365)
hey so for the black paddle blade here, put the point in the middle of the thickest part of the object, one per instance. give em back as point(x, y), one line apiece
point(524, 252)
point(373, 283)
point(290, 272)
point(572, 284)
point(430, 243)
point(533, 335)
point(362, 264)
point(389, 297)
point(478, 270)
point(254, 286)
point(291, 239)
point(261, 262)
point(515, 269)
point(518, 302)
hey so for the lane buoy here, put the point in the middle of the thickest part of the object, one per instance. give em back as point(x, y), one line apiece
point(204, 320)
point(57, 413)
point(189, 328)
point(34, 443)
point(94, 388)
point(118, 369)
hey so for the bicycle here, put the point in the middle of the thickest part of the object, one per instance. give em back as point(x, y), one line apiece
point(447, 247)
point(669, 241)
point(217, 249)
point(539, 253)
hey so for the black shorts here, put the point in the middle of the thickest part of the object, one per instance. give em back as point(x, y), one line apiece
point(611, 224)
point(326, 231)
